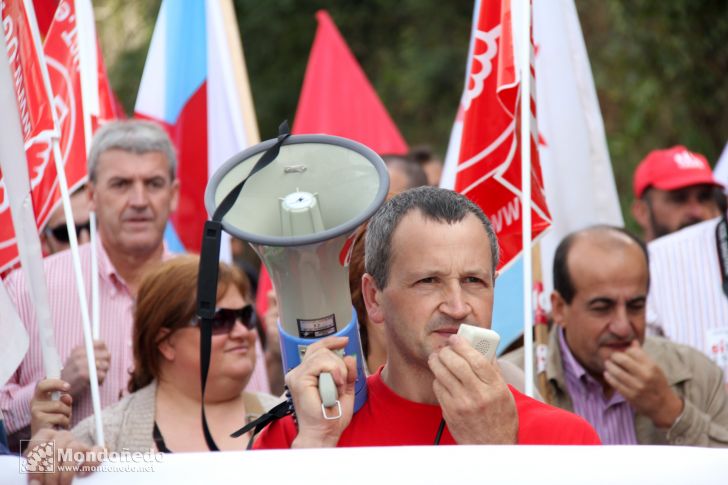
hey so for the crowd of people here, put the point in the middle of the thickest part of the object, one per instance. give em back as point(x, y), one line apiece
point(637, 350)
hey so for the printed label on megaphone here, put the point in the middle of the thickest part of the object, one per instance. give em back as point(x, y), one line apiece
point(299, 213)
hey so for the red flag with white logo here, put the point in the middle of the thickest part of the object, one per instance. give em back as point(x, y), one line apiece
point(36, 123)
point(488, 168)
point(61, 48)
point(61, 51)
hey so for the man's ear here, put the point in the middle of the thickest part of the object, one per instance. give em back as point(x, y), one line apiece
point(166, 344)
point(558, 309)
point(372, 299)
point(641, 213)
point(175, 196)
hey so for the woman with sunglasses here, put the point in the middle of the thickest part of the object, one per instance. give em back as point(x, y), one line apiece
point(163, 409)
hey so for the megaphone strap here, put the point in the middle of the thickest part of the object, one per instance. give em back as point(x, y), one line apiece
point(270, 155)
point(209, 268)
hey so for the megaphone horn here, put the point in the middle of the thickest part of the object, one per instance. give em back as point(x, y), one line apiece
point(300, 214)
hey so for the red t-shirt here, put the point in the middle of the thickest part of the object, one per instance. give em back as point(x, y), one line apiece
point(387, 419)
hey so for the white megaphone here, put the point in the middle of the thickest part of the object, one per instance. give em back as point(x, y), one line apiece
point(299, 213)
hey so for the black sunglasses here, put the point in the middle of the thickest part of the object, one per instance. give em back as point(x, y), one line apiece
point(225, 318)
point(60, 232)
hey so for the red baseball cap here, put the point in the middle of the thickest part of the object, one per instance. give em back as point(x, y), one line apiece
point(671, 169)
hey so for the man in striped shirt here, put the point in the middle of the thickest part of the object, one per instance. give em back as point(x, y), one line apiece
point(133, 188)
point(633, 389)
point(688, 302)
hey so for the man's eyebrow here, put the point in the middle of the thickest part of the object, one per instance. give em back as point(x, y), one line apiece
point(421, 273)
point(597, 300)
point(637, 298)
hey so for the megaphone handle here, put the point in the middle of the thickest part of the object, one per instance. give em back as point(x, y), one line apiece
point(329, 395)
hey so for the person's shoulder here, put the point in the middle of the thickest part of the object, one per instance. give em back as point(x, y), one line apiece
point(540, 423)
point(265, 401)
point(515, 357)
point(58, 268)
point(675, 358)
point(277, 435)
point(131, 403)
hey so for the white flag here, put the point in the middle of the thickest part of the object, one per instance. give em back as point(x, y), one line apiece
point(577, 171)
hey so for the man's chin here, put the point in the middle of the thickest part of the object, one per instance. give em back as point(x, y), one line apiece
point(143, 243)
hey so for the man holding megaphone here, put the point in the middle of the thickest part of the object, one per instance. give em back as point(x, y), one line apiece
point(430, 264)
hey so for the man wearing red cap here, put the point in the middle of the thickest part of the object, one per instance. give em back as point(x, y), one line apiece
point(674, 188)
point(688, 297)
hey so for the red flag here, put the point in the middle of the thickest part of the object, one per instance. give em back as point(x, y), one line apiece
point(337, 98)
point(62, 57)
point(62, 63)
point(489, 170)
point(36, 119)
point(44, 11)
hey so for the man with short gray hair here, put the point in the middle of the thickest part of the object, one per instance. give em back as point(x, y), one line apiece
point(133, 189)
point(430, 259)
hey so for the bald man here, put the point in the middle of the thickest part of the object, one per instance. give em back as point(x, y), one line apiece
point(632, 389)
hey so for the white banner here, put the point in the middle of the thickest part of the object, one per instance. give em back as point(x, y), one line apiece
point(562, 465)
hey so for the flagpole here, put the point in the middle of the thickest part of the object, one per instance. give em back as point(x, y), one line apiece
point(14, 166)
point(524, 55)
point(72, 239)
point(90, 103)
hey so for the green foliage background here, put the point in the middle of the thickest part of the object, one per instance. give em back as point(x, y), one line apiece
point(660, 67)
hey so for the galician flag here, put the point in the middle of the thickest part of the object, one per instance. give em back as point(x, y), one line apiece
point(195, 85)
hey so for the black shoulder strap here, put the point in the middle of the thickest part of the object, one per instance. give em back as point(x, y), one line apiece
point(721, 240)
point(281, 410)
point(209, 268)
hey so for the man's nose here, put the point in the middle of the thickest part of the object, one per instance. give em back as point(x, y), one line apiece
point(139, 196)
point(700, 210)
point(621, 325)
point(454, 303)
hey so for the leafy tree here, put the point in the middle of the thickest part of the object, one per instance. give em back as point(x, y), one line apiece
point(660, 70)
point(659, 66)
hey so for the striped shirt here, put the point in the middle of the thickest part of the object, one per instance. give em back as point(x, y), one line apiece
point(612, 418)
point(686, 303)
point(116, 316)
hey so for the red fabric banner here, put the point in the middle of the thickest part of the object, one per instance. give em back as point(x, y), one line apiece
point(338, 99)
point(62, 57)
point(62, 62)
point(489, 165)
point(36, 121)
